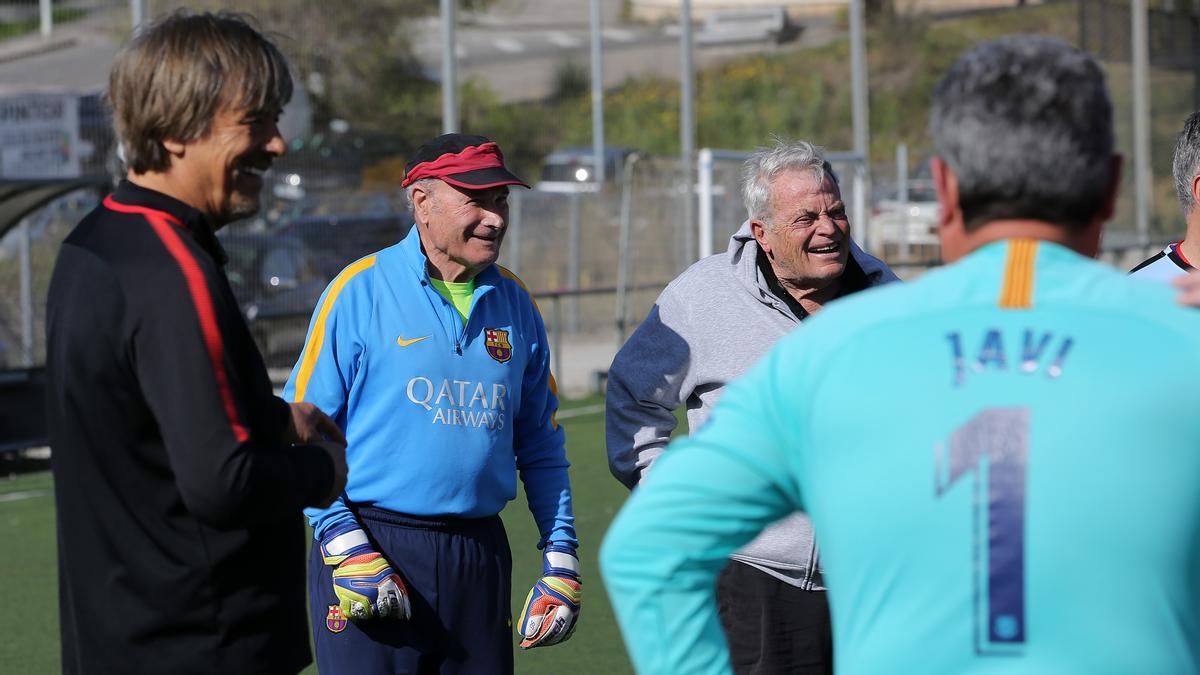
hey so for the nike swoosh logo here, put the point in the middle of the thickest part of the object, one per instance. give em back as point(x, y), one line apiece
point(404, 343)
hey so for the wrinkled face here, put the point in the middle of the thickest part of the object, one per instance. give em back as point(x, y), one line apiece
point(461, 229)
point(226, 164)
point(808, 237)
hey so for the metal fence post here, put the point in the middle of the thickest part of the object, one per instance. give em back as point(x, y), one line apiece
point(902, 196)
point(25, 236)
point(137, 12)
point(46, 17)
point(687, 128)
point(514, 232)
point(706, 203)
point(449, 69)
point(597, 96)
point(573, 273)
point(623, 247)
point(556, 341)
point(860, 113)
point(859, 208)
point(1141, 121)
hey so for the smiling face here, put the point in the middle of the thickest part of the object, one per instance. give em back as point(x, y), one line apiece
point(461, 230)
point(807, 239)
point(224, 168)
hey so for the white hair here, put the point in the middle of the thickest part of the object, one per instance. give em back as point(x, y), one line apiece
point(426, 183)
point(765, 164)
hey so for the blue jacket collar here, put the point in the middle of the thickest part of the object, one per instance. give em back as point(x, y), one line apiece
point(418, 262)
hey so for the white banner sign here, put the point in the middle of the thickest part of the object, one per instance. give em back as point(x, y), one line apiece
point(39, 136)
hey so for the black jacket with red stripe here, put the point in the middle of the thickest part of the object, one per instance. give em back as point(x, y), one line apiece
point(181, 540)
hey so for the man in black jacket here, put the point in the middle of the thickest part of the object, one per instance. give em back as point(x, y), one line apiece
point(179, 476)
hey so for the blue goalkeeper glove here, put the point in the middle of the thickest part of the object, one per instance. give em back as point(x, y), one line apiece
point(552, 606)
point(365, 584)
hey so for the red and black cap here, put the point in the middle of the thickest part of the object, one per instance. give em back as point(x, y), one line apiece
point(471, 162)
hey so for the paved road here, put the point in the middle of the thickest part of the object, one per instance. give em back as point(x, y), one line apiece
point(516, 47)
point(76, 58)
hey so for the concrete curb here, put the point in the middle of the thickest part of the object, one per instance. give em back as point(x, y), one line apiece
point(27, 48)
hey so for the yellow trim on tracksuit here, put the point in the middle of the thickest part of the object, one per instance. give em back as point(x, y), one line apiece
point(506, 273)
point(312, 349)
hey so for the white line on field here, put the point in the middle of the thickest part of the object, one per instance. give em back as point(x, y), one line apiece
point(26, 494)
point(580, 412)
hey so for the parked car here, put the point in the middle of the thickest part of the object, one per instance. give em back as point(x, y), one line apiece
point(911, 222)
point(574, 169)
point(338, 240)
point(277, 282)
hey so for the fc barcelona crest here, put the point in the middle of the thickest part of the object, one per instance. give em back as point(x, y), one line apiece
point(498, 346)
point(335, 621)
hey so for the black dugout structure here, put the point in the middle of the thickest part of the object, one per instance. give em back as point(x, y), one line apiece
point(22, 390)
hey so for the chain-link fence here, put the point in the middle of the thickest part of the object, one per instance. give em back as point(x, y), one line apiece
point(335, 196)
point(1103, 28)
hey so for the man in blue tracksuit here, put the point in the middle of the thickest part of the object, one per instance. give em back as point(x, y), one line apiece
point(435, 362)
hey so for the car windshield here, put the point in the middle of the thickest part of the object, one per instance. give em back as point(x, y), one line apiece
point(240, 267)
point(337, 241)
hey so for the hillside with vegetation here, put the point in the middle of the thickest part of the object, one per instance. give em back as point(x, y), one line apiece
point(805, 93)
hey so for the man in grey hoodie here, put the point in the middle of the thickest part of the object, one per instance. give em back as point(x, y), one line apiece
point(707, 328)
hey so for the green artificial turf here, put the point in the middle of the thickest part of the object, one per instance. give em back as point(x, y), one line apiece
point(29, 622)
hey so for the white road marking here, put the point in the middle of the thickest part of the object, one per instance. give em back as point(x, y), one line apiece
point(564, 40)
point(618, 34)
point(508, 45)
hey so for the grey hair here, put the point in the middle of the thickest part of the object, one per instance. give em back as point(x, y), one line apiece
point(765, 164)
point(1187, 161)
point(1026, 125)
point(424, 182)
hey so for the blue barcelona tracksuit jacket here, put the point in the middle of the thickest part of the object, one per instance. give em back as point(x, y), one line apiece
point(440, 417)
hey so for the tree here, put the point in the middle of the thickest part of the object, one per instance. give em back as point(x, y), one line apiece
point(355, 58)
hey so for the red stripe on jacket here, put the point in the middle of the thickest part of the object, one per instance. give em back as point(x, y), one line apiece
point(201, 300)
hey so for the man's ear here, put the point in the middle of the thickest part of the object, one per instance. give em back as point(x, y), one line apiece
point(175, 148)
point(945, 183)
point(420, 203)
point(759, 229)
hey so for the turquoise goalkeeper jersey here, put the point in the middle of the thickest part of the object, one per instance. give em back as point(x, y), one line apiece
point(1001, 461)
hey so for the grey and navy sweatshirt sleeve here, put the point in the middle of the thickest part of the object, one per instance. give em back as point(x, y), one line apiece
point(711, 494)
point(647, 382)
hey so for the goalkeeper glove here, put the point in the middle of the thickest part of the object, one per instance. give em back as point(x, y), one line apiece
point(552, 606)
point(365, 584)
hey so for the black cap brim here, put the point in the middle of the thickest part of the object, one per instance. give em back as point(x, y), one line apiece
point(480, 179)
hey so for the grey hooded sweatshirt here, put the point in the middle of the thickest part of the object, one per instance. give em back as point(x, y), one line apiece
point(707, 328)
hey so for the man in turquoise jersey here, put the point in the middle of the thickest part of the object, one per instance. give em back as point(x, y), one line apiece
point(1001, 456)
point(435, 362)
